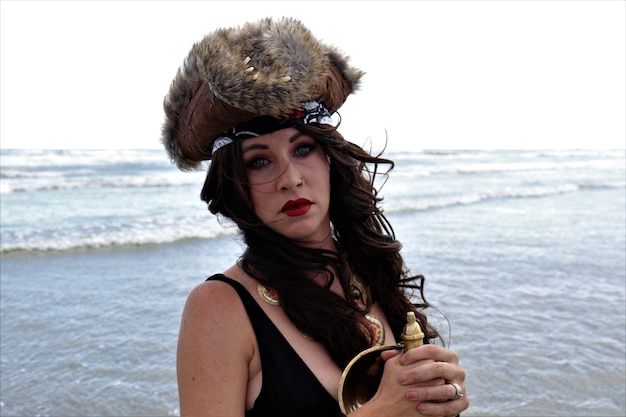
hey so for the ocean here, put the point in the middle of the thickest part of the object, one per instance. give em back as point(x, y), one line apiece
point(523, 253)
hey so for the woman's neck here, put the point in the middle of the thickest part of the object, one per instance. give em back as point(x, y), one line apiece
point(326, 243)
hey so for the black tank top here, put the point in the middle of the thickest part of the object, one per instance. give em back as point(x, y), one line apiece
point(289, 388)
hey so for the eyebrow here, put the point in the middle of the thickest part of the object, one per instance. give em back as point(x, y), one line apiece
point(295, 136)
point(252, 147)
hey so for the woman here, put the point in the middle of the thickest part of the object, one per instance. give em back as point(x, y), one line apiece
point(322, 277)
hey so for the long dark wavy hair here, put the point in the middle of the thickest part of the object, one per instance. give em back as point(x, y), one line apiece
point(366, 242)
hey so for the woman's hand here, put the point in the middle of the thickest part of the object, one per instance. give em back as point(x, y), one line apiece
point(429, 376)
point(391, 397)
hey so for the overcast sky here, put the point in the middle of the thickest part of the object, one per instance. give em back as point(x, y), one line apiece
point(439, 74)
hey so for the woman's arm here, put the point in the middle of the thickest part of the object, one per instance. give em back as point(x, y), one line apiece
point(215, 349)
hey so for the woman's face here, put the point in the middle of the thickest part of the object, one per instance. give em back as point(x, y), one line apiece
point(289, 178)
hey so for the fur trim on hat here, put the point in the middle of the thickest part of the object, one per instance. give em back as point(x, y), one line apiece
point(265, 68)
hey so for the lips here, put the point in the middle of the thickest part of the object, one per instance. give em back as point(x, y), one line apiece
point(296, 207)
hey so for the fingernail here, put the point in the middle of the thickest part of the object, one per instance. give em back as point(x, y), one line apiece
point(411, 395)
point(402, 378)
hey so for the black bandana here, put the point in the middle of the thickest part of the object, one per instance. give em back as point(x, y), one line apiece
point(311, 112)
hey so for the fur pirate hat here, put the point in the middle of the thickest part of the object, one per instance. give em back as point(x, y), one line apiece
point(234, 75)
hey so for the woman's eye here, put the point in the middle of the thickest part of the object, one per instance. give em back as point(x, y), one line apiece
point(257, 163)
point(304, 149)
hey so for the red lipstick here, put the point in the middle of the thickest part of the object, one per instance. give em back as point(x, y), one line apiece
point(296, 208)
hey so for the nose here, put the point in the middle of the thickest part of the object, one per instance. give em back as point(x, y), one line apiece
point(291, 177)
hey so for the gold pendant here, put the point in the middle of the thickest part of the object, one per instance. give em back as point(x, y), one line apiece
point(358, 293)
point(380, 330)
point(269, 296)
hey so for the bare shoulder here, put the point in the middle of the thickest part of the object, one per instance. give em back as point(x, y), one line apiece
point(212, 310)
point(211, 296)
point(216, 307)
